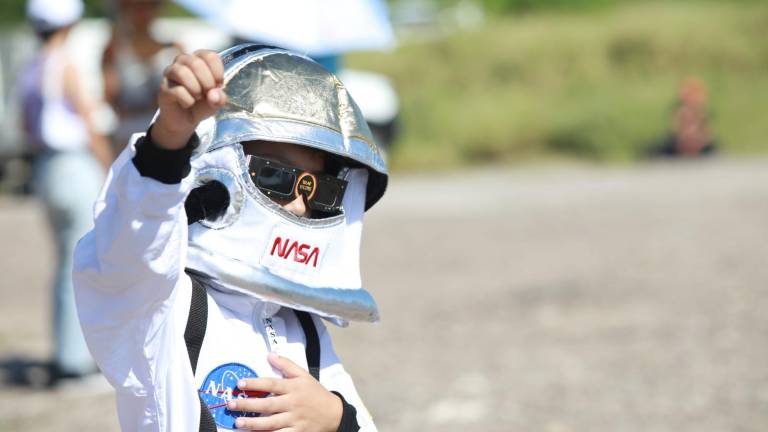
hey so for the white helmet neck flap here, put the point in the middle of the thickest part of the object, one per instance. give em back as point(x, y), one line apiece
point(256, 247)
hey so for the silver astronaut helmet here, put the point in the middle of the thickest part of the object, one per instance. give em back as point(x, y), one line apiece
point(242, 240)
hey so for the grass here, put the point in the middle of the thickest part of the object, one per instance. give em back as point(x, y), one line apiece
point(598, 86)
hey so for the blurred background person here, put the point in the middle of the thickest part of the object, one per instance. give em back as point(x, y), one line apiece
point(70, 159)
point(690, 134)
point(691, 129)
point(132, 66)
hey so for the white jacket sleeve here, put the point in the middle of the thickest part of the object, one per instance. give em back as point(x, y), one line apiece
point(127, 272)
point(334, 377)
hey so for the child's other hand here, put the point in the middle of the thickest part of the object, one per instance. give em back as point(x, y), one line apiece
point(298, 402)
point(191, 91)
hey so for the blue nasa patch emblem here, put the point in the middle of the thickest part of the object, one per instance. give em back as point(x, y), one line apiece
point(220, 387)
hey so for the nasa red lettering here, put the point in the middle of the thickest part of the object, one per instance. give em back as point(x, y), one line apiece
point(285, 248)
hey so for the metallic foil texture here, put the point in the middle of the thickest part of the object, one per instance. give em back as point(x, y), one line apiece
point(277, 95)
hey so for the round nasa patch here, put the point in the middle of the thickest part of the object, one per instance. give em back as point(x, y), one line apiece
point(220, 387)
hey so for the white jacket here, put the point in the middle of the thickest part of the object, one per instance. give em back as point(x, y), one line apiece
point(133, 300)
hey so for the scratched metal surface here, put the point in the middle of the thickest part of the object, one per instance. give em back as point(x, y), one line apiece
point(574, 299)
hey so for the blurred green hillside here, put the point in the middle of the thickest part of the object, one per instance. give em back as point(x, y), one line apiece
point(599, 85)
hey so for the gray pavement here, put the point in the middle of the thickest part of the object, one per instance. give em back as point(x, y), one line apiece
point(548, 299)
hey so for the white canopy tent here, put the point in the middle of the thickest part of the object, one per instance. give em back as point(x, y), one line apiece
point(313, 27)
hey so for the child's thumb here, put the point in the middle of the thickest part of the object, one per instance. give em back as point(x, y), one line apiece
point(216, 97)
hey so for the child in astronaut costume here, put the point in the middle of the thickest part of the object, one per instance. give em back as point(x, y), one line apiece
point(228, 206)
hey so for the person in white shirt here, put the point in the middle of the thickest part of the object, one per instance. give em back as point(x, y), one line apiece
point(221, 239)
point(70, 158)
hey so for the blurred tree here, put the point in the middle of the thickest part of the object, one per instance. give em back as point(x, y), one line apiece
point(529, 5)
point(13, 11)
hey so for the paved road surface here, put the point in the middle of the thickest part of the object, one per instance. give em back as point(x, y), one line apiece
point(556, 300)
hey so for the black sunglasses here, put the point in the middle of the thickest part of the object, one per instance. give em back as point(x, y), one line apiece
point(322, 191)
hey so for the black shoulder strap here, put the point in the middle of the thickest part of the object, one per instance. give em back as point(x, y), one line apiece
point(193, 337)
point(348, 422)
point(312, 348)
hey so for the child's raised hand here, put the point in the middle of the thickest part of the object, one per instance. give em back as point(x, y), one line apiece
point(298, 401)
point(191, 91)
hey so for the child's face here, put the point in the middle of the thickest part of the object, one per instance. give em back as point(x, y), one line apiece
point(292, 155)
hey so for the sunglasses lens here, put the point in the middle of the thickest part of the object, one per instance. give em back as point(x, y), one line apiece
point(276, 180)
point(328, 195)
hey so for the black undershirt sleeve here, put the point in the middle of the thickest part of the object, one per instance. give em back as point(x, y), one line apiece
point(165, 166)
point(348, 421)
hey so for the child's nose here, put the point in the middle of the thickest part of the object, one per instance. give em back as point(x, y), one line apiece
point(298, 206)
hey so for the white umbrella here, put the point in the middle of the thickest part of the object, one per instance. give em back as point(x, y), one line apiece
point(314, 27)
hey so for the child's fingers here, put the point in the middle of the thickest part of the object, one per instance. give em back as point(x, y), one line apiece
point(286, 366)
point(215, 64)
point(266, 405)
point(276, 386)
point(180, 94)
point(269, 423)
point(201, 71)
point(183, 76)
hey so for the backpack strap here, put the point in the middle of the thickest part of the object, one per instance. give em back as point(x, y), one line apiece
point(312, 347)
point(194, 333)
